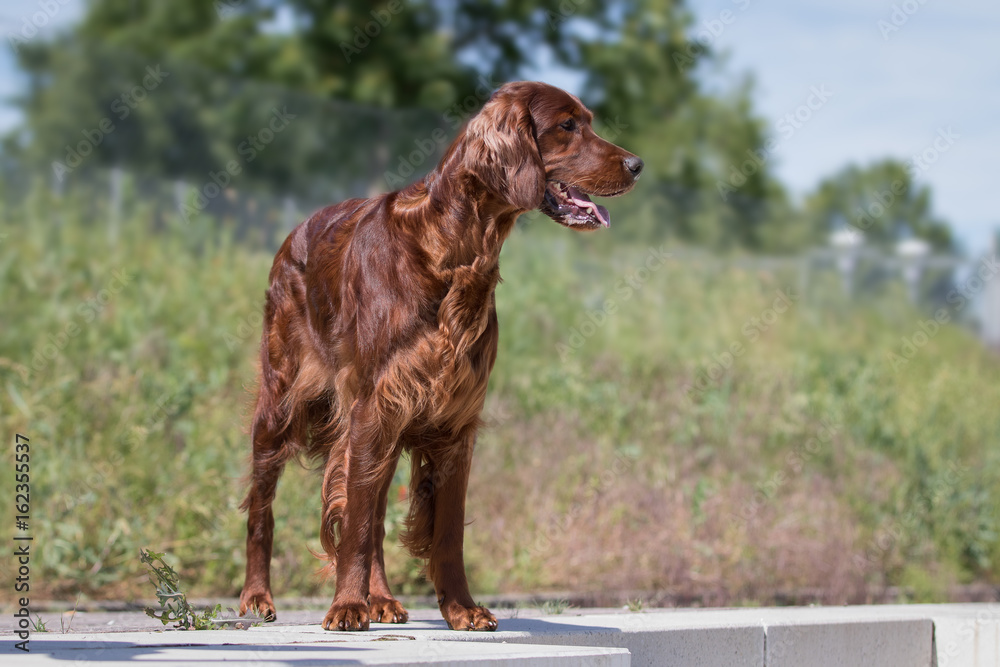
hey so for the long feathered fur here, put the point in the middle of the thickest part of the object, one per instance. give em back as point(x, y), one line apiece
point(379, 336)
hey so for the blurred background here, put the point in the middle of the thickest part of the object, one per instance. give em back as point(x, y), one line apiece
point(773, 380)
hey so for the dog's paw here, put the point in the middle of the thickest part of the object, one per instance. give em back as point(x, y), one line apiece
point(259, 603)
point(346, 617)
point(469, 618)
point(387, 610)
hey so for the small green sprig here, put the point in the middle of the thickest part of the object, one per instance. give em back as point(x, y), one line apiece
point(174, 607)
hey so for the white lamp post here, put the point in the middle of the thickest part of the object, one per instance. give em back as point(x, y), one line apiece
point(913, 252)
point(846, 242)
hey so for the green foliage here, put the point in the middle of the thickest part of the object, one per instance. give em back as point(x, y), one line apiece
point(882, 201)
point(553, 607)
point(225, 72)
point(598, 469)
point(174, 607)
point(186, 90)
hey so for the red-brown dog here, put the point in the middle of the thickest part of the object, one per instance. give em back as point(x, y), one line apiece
point(379, 335)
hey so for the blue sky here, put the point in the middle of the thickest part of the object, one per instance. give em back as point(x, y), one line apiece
point(13, 14)
point(893, 92)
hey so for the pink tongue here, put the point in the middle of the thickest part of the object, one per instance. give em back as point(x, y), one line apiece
point(583, 201)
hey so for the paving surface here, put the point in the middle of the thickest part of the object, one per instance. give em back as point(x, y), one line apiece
point(882, 636)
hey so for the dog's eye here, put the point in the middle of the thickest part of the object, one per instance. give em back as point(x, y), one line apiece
point(568, 125)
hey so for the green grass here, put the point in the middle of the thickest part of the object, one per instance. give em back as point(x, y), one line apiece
point(553, 607)
point(634, 606)
point(808, 463)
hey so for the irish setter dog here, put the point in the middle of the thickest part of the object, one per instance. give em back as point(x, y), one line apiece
point(379, 335)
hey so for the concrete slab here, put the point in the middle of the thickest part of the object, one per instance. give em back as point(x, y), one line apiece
point(883, 643)
point(964, 635)
point(661, 638)
point(262, 648)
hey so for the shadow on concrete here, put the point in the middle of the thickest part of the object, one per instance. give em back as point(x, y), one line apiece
point(193, 652)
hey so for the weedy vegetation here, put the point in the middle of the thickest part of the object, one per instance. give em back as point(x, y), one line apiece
point(174, 606)
point(624, 449)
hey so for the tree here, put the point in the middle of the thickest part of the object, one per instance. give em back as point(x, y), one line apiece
point(229, 67)
point(191, 91)
point(880, 200)
point(122, 88)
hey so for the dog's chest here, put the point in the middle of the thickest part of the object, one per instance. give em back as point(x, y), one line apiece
point(455, 354)
point(468, 307)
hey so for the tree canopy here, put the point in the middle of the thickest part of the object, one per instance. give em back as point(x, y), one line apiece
point(350, 97)
point(882, 201)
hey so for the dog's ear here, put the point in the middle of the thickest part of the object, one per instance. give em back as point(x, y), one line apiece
point(502, 152)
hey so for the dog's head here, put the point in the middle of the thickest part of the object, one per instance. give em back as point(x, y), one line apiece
point(533, 146)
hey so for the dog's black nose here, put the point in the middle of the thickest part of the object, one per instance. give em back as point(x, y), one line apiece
point(634, 164)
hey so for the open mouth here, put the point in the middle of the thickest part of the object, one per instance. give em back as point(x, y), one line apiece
point(570, 206)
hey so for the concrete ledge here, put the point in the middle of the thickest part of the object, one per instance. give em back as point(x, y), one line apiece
point(692, 639)
point(820, 637)
point(966, 635)
point(891, 643)
point(262, 648)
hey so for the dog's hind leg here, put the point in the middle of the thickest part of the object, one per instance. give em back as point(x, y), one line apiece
point(277, 434)
point(269, 457)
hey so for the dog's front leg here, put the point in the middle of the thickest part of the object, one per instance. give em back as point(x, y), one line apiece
point(383, 607)
point(362, 483)
point(446, 565)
